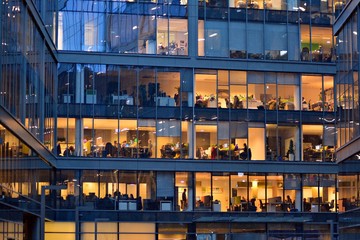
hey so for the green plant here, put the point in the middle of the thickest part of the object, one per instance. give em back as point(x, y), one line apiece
point(241, 97)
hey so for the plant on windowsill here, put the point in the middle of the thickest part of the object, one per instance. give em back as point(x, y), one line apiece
point(291, 152)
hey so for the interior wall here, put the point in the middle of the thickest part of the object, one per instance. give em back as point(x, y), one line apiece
point(257, 142)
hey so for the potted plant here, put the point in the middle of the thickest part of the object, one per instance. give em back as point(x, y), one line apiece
point(291, 152)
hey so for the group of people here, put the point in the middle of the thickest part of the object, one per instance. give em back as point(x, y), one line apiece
point(110, 202)
point(237, 104)
point(244, 152)
point(117, 149)
point(69, 151)
point(113, 150)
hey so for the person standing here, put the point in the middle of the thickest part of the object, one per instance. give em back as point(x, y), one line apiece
point(184, 200)
point(57, 150)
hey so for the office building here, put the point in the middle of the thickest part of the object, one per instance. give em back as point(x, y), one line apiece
point(347, 82)
point(178, 119)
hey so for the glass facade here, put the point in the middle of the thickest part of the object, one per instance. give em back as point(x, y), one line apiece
point(128, 27)
point(177, 119)
point(270, 30)
point(348, 81)
point(134, 112)
point(28, 73)
point(347, 88)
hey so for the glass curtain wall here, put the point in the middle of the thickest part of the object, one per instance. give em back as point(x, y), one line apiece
point(217, 192)
point(276, 26)
point(27, 86)
point(143, 27)
point(348, 196)
point(239, 194)
point(347, 81)
point(119, 98)
point(110, 111)
point(13, 54)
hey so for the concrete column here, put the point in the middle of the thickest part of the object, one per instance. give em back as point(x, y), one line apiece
point(191, 139)
point(79, 87)
point(297, 98)
point(297, 144)
point(190, 192)
point(193, 28)
point(298, 200)
point(79, 136)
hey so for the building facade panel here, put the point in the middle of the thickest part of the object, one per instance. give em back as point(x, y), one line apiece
point(182, 120)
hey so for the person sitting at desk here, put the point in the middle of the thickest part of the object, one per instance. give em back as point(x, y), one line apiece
point(246, 153)
point(108, 150)
point(69, 152)
point(252, 205)
point(272, 104)
point(115, 149)
point(237, 103)
point(200, 154)
point(122, 149)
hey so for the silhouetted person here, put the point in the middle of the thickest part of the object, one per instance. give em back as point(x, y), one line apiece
point(307, 205)
point(184, 200)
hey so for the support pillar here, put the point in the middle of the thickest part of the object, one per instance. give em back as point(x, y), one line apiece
point(79, 137)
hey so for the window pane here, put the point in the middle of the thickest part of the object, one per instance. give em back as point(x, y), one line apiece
point(216, 39)
point(255, 38)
